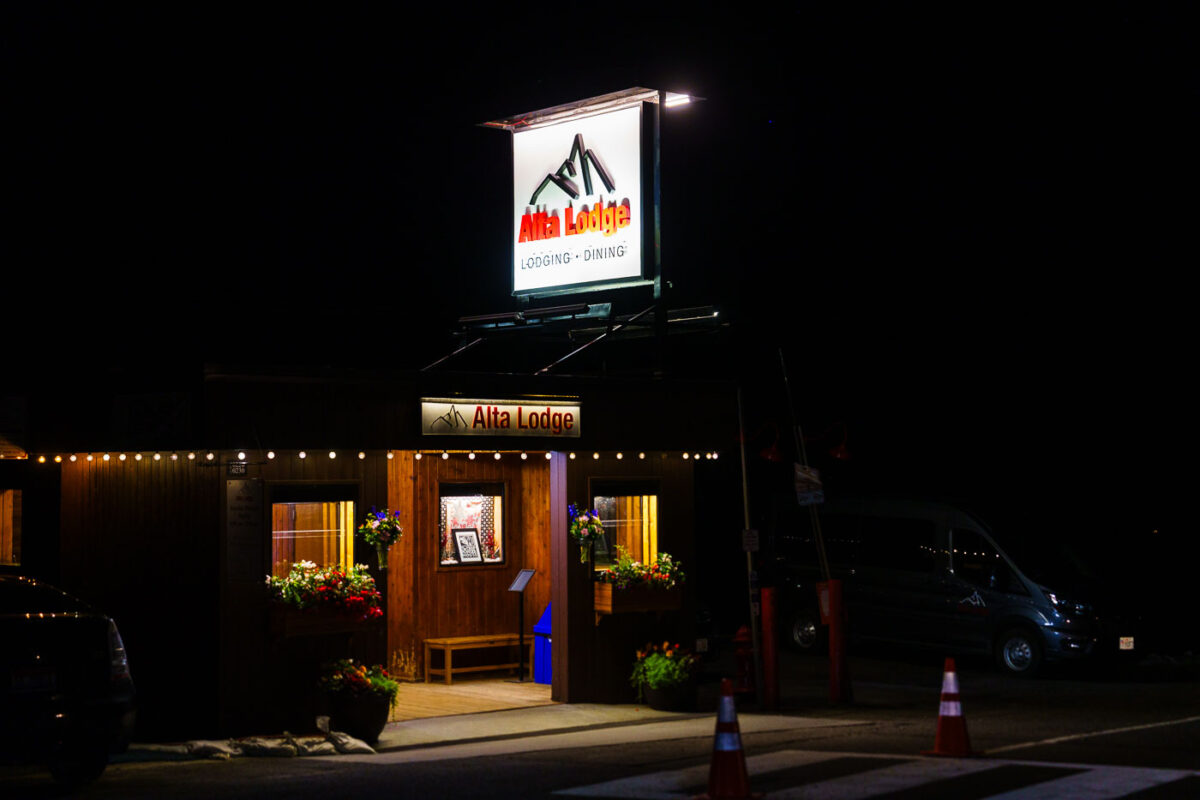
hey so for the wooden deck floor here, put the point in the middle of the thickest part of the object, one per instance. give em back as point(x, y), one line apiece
point(467, 695)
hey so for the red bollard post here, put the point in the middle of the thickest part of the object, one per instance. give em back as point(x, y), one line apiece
point(839, 666)
point(835, 616)
point(770, 694)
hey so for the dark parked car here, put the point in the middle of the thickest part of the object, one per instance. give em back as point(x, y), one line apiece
point(920, 573)
point(68, 698)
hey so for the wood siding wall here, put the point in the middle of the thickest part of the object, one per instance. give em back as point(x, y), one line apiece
point(267, 682)
point(138, 541)
point(601, 656)
point(10, 526)
point(426, 600)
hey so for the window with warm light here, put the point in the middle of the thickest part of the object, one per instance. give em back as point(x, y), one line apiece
point(309, 529)
point(10, 527)
point(471, 524)
point(629, 514)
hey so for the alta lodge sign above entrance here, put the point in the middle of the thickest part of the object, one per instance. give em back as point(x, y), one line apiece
point(468, 417)
point(579, 194)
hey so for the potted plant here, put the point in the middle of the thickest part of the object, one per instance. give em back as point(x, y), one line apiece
point(585, 528)
point(312, 599)
point(664, 677)
point(630, 585)
point(358, 697)
point(382, 529)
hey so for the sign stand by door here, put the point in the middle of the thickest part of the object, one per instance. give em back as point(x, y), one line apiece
point(518, 585)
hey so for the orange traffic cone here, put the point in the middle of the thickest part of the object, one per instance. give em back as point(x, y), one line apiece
point(951, 737)
point(727, 778)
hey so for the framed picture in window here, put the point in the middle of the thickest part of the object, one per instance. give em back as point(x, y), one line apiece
point(466, 543)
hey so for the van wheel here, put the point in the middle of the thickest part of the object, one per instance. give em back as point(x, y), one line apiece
point(1019, 652)
point(804, 633)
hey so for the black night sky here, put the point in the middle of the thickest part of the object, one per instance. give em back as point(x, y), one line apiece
point(967, 230)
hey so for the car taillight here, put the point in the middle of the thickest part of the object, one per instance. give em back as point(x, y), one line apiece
point(119, 663)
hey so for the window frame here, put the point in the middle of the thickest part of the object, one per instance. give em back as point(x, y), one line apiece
point(505, 518)
point(628, 486)
point(312, 491)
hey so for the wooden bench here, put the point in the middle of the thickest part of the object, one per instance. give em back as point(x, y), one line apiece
point(451, 643)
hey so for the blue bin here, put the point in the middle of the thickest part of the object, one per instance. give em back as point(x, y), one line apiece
point(543, 667)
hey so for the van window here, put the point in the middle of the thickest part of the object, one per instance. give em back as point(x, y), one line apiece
point(977, 562)
point(897, 543)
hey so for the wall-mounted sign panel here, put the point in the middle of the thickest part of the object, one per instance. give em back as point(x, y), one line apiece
point(577, 200)
point(468, 417)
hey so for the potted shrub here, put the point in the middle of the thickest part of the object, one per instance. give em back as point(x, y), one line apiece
point(664, 677)
point(358, 698)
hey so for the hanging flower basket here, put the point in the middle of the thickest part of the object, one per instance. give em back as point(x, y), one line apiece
point(382, 529)
point(585, 528)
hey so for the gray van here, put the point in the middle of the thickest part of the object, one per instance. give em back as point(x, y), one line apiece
point(931, 574)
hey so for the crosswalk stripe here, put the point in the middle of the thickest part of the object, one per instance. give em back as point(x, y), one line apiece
point(889, 779)
point(673, 784)
point(1107, 783)
point(914, 777)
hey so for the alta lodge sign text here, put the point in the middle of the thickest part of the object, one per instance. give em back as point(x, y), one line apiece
point(464, 417)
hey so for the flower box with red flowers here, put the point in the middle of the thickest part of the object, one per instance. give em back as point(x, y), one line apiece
point(315, 600)
point(630, 586)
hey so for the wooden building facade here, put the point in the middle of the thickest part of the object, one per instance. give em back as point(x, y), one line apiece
point(176, 544)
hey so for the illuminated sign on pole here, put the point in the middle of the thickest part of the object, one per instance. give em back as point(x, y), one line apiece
point(577, 199)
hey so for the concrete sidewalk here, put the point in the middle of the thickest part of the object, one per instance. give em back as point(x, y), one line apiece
point(537, 720)
point(567, 722)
